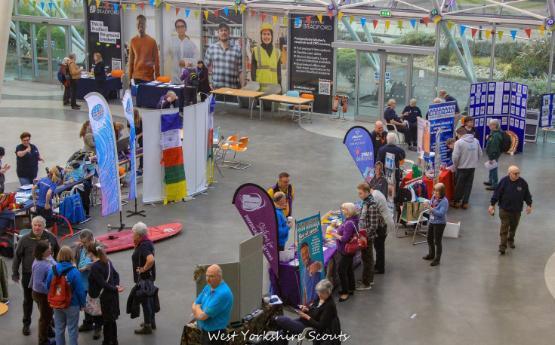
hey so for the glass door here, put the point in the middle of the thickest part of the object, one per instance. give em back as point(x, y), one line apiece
point(40, 35)
point(59, 44)
point(369, 86)
point(397, 80)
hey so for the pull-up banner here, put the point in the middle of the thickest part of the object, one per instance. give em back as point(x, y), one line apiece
point(359, 144)
point(104, 33)
point(106, 152)
point(442, 121)
point(312, 59)
point(259, 213)
point(130, 116)
point(311, 256)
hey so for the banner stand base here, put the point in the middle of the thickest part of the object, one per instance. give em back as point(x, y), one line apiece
point(136, 212)
point(121, 224)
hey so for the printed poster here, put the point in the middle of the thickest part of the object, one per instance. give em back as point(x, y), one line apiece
point(311, 256)
point(360, 146)
point(442, 122)
point(127, 102)
point(103, 26)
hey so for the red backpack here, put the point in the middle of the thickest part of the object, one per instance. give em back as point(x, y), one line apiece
point(59, 294)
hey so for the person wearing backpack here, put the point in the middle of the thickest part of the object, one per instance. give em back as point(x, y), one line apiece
point(344, 235)
point(66, 296)
point(494, 148)
point(190, 78)
point(63, 78)
point(104, 285)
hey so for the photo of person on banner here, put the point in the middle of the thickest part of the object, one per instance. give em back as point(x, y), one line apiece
point(181, 47)
point(266, 59)
point(311, 273)
point(223, 59)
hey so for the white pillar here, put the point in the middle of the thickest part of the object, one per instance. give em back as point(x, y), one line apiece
point(6, 7)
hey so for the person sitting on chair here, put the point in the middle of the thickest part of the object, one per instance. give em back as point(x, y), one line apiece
point(43, 192)
point(169, 100)
point(391, 118)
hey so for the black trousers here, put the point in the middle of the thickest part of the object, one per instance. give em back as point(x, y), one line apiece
point(73, 92)
point(100, 87)
point(85, 195)
point(379, 247)
point(110, 332)
point(463, 185)
point(346, 274)
point(67, 94)
point(94, 322)
point(435, 235)
point(411, 138)
point(139, 81)
point(213, 338)
point(27, 298)
point(189, 96)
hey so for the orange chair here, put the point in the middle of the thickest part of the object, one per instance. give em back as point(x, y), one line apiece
point(307, 108)
point(223, 147)
point(164, 79)
point(241, 146)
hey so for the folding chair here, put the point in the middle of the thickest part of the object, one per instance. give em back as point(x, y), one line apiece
point(241, 146)
point(414, 214)
point(306, 108)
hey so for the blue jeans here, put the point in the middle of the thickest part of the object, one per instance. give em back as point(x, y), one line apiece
point(493, 178)
point(67, 318)
point(25, 181)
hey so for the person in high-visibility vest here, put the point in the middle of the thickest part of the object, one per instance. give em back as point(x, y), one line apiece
point(266, 62)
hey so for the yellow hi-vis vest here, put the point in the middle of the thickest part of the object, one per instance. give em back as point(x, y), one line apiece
point(266, 66)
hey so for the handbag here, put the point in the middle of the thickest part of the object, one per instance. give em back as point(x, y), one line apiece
point(93, 304)
point(358, 241)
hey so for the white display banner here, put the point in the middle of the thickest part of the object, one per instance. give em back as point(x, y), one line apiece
point(195, 146)
point(153, 176)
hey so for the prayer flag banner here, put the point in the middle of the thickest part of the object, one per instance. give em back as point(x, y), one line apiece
point(359, 144)
point(259, 213)
point(106, 152)
point(129, 115)
point(172, 157)
point(310, 255)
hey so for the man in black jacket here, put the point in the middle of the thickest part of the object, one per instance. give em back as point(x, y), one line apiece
point(378, 136)
point(24, 257)
point(511, 194)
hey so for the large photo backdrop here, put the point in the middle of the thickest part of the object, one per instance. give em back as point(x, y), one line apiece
point(266, 49)
point(104, 34)
point(312, 58)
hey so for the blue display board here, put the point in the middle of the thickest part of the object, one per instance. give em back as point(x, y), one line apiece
point(442, 120)
point(505, 101)
point(311, 256)
point(547, 110)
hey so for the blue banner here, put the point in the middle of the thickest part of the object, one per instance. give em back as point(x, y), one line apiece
point(359, 144)
point(442, 121)
point(106, 152)
point(127, 102)
point(311, 256)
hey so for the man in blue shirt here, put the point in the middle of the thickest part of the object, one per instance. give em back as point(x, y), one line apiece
point(212, 308)
point(280, 201)
point(311, 275)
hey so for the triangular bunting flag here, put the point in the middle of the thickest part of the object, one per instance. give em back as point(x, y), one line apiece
point(253, 13)
point(449, 25)
point(500, 35)
point(488, 34)
point(351, 19)
point(187, 12)
point(168, 7)
point(142, 6)
point(226, 11)
point(274, 20)
point(330, 14)
point(177, 9)
point(133, 7)
point(375, 23)
point(216, 13)
point(262, 16)
point(513, 34)
point(42, 4)
point(116, 7)
point(297, 21)
point(206, 13)
point(152, 3)
point(106, 5)
point(387, 24)
point(97, 3)
point(462, 29)
point(340, 15)
point(426, 21)
point(124, 7)
point(242, 8)
point(413, 23)
point(363, 21)
point(528, 32)
point(400, 24)
point(437, 19)
point(542, 29)
point(308, 19)
point(196, 14)
point(320, 18)
point(473, 31)
point(50, 4)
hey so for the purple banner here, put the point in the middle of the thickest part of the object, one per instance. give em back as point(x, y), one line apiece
point(259, 213)
point(359, 144)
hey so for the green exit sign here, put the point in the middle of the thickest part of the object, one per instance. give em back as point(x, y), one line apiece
point(385, 13)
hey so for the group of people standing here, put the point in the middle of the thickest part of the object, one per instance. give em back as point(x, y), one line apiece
point(65, 281)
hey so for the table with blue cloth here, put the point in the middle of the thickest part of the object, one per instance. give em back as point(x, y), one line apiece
point(149, 94)
point(111, 87)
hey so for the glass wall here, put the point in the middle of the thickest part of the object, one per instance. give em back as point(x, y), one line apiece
point(346, 77)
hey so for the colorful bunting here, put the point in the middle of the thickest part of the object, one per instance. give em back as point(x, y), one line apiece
point(274, 20)
point(196, 14)
point(473, 31)
point(50, 4)
point(340, 15)
point(488, 34)
point(387, 24)
point(262, 16)
point(513, 34)
point(242, 8)
point(216, 13)
point(206, 13)
point(124, 7)
point(253, 13)
point(42, 4)
point(542, 29)
point(400, 24)
point(413, 23)
point(284, 20)
point(500, 35)
point(142, 6)
point(308, 19)
point(97, 3)
point(437, 19)
point(426, 21)
point(187, 13)
point(116, 7)
point(363, 21)
point(168, 6)
point(152, 3)
point(297, 21)
point(226, 11)
point(375, 23)
point(351, 19)
point(133, 7)
point(462, 29)
point(320, 18)
point(449, 25)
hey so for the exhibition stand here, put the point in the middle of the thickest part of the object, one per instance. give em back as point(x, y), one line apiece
point(149, 94)
point(112, 87)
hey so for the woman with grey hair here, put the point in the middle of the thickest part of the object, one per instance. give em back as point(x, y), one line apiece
point(144, 268)
point(344, 235)
point(321, 314)
point(410, 114)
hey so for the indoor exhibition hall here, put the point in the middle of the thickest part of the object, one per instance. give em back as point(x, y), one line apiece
point(287, 172)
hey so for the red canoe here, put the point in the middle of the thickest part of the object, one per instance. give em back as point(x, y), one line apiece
point(123, 240)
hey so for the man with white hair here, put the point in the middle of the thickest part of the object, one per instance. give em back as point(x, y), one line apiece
point(378, 136)
point(212, 308)
point(494, 148)
point(24, 256)
point(397, 151)
point(448, 98)
point(144, 268)
point(391, 118)
point(511, 194)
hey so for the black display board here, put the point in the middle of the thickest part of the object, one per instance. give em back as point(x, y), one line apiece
point(311, 59)
point(104, 34)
